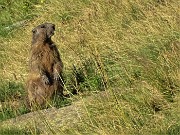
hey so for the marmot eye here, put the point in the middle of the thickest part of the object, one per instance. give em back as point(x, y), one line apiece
point(33, 31)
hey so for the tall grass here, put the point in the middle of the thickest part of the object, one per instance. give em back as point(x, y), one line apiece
point(129, 49)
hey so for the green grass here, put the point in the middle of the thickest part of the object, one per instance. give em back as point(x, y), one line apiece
point(13, 131)
point(15, 14)
point(10, 90)
point(129, 49)
point(8, 111)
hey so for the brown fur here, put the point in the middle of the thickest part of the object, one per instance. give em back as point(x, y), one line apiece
point(46, 66)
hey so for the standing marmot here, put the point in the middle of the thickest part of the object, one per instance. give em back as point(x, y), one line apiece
point(45, 75)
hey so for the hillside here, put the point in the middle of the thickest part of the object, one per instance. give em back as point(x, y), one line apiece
point(123, 54)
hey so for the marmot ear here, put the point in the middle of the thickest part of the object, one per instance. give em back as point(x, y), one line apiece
point(43, 26)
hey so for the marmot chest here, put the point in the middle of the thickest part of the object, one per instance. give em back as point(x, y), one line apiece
point(48, 58)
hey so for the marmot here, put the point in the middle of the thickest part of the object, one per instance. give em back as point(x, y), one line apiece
point(45, 75)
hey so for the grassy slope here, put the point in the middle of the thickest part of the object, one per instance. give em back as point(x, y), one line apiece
point(134, 48)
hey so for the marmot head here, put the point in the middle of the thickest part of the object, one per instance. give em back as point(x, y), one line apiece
point(43, 32)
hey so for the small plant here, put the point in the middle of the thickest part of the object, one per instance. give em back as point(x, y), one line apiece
point(59, 102)
point(86, 78)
